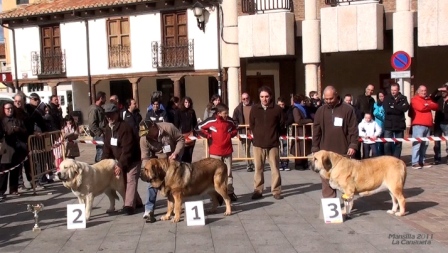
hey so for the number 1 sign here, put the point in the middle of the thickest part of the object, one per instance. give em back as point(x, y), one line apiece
point(194, 212)
point(76, 216)
point(332, 210)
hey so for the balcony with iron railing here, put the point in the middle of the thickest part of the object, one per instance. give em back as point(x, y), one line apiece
point(261, 6)
point(119, 56)
point(48, 64)
point(173, 57)
point(349, 2)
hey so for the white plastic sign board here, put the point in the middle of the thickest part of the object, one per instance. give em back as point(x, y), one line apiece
point(76, 216)
point(331, 208)
point(194, 212)
point(400, 74)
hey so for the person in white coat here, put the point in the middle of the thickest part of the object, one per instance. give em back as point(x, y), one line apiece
point(369, 130)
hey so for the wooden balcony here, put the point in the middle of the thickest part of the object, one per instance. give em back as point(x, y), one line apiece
point(173, 57)
point(48, 64)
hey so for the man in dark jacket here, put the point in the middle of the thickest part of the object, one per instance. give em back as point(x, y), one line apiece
point(156, 113)
point(56, 113)
point(241, 117)
point(132, 116)
point(121, 144)
point(97, 122)
point(440, 96)
point(365, 102)
point(335, 129)
point(395, 106)
point(265, 121)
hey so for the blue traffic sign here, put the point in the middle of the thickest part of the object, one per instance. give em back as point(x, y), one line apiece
point(400, 61)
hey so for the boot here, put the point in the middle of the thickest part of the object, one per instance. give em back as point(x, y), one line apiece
point(151, 218)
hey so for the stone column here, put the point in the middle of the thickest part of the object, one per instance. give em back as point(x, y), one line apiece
point(54, 87)
point(403, 34)
point(311, 46)
point(134, 81)
point(230, 54)
point(176, 85)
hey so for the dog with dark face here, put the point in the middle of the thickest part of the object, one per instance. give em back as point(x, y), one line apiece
point(177, 180)
point(88, 181)
point(364, 177)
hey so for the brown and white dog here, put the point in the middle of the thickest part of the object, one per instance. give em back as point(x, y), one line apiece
point(177, 180)
point(364, 177)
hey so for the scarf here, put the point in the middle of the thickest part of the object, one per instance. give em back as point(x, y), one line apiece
point(302, 109)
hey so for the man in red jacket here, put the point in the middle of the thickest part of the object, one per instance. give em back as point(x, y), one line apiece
point(220, 130)
point(421, 116)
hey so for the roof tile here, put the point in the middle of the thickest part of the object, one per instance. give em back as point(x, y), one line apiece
point(55, 6)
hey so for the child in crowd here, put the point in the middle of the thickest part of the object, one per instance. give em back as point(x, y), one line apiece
point(70, 132)
point(219, 130)
point(369, 130)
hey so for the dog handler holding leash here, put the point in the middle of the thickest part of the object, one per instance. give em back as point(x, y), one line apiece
point(335, 129)
point(161, 140)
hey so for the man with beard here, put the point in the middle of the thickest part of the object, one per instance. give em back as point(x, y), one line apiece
point(365, 102)
point(440, 96)
point(335, 129)
point(97, 122)
point(132, 115)
point(56, 113)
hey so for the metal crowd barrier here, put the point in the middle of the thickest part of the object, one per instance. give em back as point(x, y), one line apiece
point(44, 149)
point(299, 143)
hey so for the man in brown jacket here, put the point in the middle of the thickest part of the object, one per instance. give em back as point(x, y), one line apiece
point(120, 143)
point(161, 140)
point(265, 121)
point(335, 129)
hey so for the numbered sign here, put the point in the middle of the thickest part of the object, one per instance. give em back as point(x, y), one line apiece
point(76, 216)
point(331, 208)
point(194, 212)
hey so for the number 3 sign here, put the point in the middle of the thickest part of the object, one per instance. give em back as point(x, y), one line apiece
point(332, 210)
point(194, 212)
point(76, 216)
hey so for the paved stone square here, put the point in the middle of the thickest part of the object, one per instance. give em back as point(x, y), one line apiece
point(266, 225)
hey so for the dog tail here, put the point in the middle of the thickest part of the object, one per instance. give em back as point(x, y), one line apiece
point(403, 173)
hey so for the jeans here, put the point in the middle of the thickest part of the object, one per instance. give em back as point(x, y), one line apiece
point(151, 201)
point(380, 146)
point(440, 130)
point(99, 148)
point(284, 149)
point(366, 150)
point(390, 148)
point(419, 148)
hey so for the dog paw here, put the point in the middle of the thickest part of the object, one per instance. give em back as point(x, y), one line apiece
point(166, 217)
point(399, 214)
point(110, 210)
point(175, 219)
point(227, 213)
point(390, 211)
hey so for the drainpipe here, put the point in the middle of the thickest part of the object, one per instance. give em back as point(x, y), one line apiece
point(220, 81)
point(14, 55)
point(89, 76)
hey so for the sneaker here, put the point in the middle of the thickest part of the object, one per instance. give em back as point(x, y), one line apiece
point(281, 168)
point(146, 215)
point(287, 168)
point(250, 168)
point(233, 197)
point(426, 165)
point(416, 166)
point(436, 162)
point(257, 195)
point(128, 210)
point(149, 217)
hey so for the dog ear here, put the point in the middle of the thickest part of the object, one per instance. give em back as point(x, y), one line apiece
point(326, 161)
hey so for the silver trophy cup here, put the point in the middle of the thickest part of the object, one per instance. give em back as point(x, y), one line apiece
point(35, 209)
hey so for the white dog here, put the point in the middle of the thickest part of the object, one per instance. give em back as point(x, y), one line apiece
point(88, 181)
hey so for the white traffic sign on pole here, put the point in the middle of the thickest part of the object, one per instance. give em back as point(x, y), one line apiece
point(400, 74)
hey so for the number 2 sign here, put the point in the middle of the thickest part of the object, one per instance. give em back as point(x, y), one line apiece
point(76, 216)
point(332, 210)
point(194, 212)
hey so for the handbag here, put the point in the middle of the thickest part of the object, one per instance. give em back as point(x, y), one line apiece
point(188, 142)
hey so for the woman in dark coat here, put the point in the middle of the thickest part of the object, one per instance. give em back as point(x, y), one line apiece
point(187, 121)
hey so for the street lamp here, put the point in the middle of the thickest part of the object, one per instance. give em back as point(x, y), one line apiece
point(198, 10)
